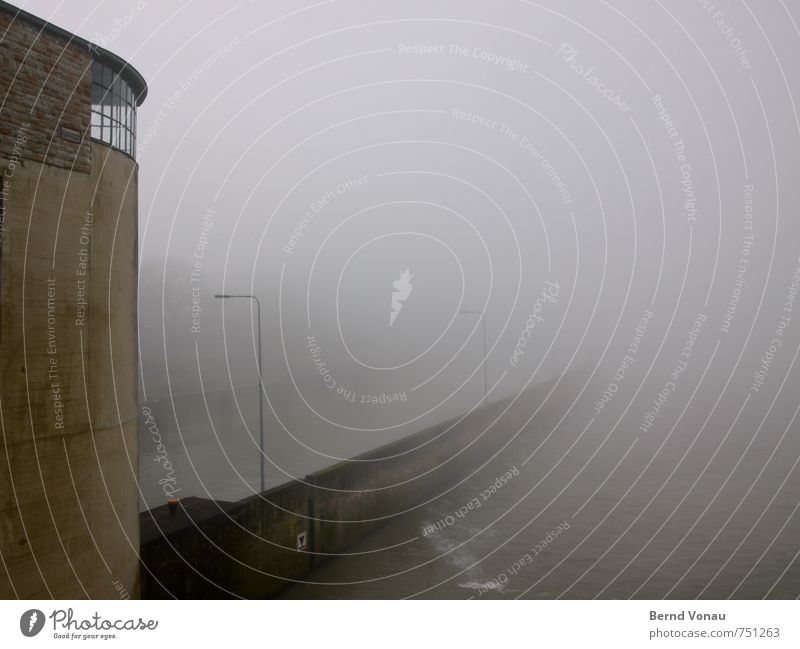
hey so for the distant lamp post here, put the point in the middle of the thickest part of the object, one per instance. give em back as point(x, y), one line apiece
point(225, 296)
point(485, 380)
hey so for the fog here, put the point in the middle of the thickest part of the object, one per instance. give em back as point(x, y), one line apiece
point(609, 189)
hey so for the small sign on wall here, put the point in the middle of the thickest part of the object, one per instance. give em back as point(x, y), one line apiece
point(70, 134)
point(302, 541)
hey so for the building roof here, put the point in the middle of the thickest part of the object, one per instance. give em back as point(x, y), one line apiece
point(117, 64)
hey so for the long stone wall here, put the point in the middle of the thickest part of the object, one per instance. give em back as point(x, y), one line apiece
point(254, 547)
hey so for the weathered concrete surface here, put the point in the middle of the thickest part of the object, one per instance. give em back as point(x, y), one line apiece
point(68, 377)
point(250, 548)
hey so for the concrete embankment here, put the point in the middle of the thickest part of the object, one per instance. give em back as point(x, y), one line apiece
point(254, 547)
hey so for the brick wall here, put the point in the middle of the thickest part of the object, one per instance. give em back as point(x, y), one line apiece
point(45, 81)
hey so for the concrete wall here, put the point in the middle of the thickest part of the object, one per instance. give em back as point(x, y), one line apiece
point(249, 548)
point(68, 377)
point(46, 82)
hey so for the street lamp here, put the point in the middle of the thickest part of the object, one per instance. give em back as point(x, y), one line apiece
point(225, 296)
point(485, 380)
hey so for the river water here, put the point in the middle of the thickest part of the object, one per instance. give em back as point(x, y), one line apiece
point(575, 507)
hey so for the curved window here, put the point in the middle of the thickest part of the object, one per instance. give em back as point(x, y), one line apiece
point(113, 110)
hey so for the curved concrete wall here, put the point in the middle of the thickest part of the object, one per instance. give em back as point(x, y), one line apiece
point(254, 547)
point(68, 380)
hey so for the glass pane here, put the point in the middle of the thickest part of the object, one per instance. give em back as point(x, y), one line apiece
point(97, 94)
point(106, 76)
point(106, 136)
point(117, 98)
point(97, 73)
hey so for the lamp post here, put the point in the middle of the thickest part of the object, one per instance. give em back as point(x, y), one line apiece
point(225, 296)
point(485, 380)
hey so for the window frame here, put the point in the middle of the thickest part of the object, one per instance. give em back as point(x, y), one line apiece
point(113, 119)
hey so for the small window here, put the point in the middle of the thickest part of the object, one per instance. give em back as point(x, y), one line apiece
point(113, 109)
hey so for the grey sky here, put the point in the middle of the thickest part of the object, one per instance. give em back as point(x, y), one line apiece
point(315, 151)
